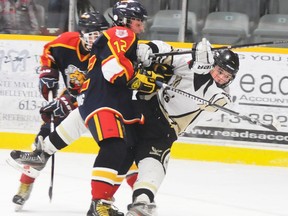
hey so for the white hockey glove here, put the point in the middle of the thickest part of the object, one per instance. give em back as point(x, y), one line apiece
point(202, 59)
point(143, 54)
point(162, 47)
point(156, 46)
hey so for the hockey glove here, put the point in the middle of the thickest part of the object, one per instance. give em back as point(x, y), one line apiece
point(202, 59)
point(144, 81)
point(59, 108)
point(143, 54)
point(145, 50)
point(48, 81)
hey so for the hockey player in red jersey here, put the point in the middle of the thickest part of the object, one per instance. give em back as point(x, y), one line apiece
point(67, 55)
point(107, 107)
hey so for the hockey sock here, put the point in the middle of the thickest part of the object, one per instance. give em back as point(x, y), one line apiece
point(131, 179)
point(26, 179)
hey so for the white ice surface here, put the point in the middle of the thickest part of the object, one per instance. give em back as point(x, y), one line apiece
point(191, 188)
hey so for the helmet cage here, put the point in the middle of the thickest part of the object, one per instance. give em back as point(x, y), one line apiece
point(89, 38)
point(90, 26)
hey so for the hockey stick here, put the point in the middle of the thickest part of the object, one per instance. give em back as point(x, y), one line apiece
point(50, 192)
point(153, 55)
point(224, 109)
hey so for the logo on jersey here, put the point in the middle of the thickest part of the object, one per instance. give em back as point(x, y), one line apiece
point(201, 67)
point(155, 151)
point(121, 33)
point(75, 77)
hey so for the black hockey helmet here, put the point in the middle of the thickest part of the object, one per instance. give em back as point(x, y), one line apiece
point(90, 26)
point(92, 21)
point(228, 61)
point(125, 10)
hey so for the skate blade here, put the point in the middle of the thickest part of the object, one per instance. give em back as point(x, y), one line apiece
point(133, 213)
point(18, 208)
point(27, 170)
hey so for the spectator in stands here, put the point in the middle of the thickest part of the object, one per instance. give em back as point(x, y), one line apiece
point(57, 16)
point(18, 17)
point(83, 6)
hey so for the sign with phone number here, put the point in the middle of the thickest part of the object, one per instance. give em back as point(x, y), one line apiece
point(259, 91)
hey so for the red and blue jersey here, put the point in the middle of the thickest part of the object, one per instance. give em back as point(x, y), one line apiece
point(111, 66)
point(64, 51)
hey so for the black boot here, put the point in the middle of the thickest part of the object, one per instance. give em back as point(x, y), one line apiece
point(36, 159)
point(103, 208)
point(22, 195)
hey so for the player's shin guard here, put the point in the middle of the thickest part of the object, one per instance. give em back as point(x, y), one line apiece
point(150, 176)
point(151, 173)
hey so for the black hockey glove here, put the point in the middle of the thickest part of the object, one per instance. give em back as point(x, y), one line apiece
point(49, 78)
point(59, 108)
point(144, 81)
point(165, 70)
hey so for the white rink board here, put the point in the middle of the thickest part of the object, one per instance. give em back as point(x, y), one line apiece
point(19, 94)
point(260, 89)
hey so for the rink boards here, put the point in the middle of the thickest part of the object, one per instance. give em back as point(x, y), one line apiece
point(20, 102)
point(180, 150)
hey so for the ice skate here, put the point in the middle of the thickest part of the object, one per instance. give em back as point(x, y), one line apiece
point(27, 170)
point(103, 208)
point(142, 209)
point(22, 195)
point(37, 159)
point(115, 212)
